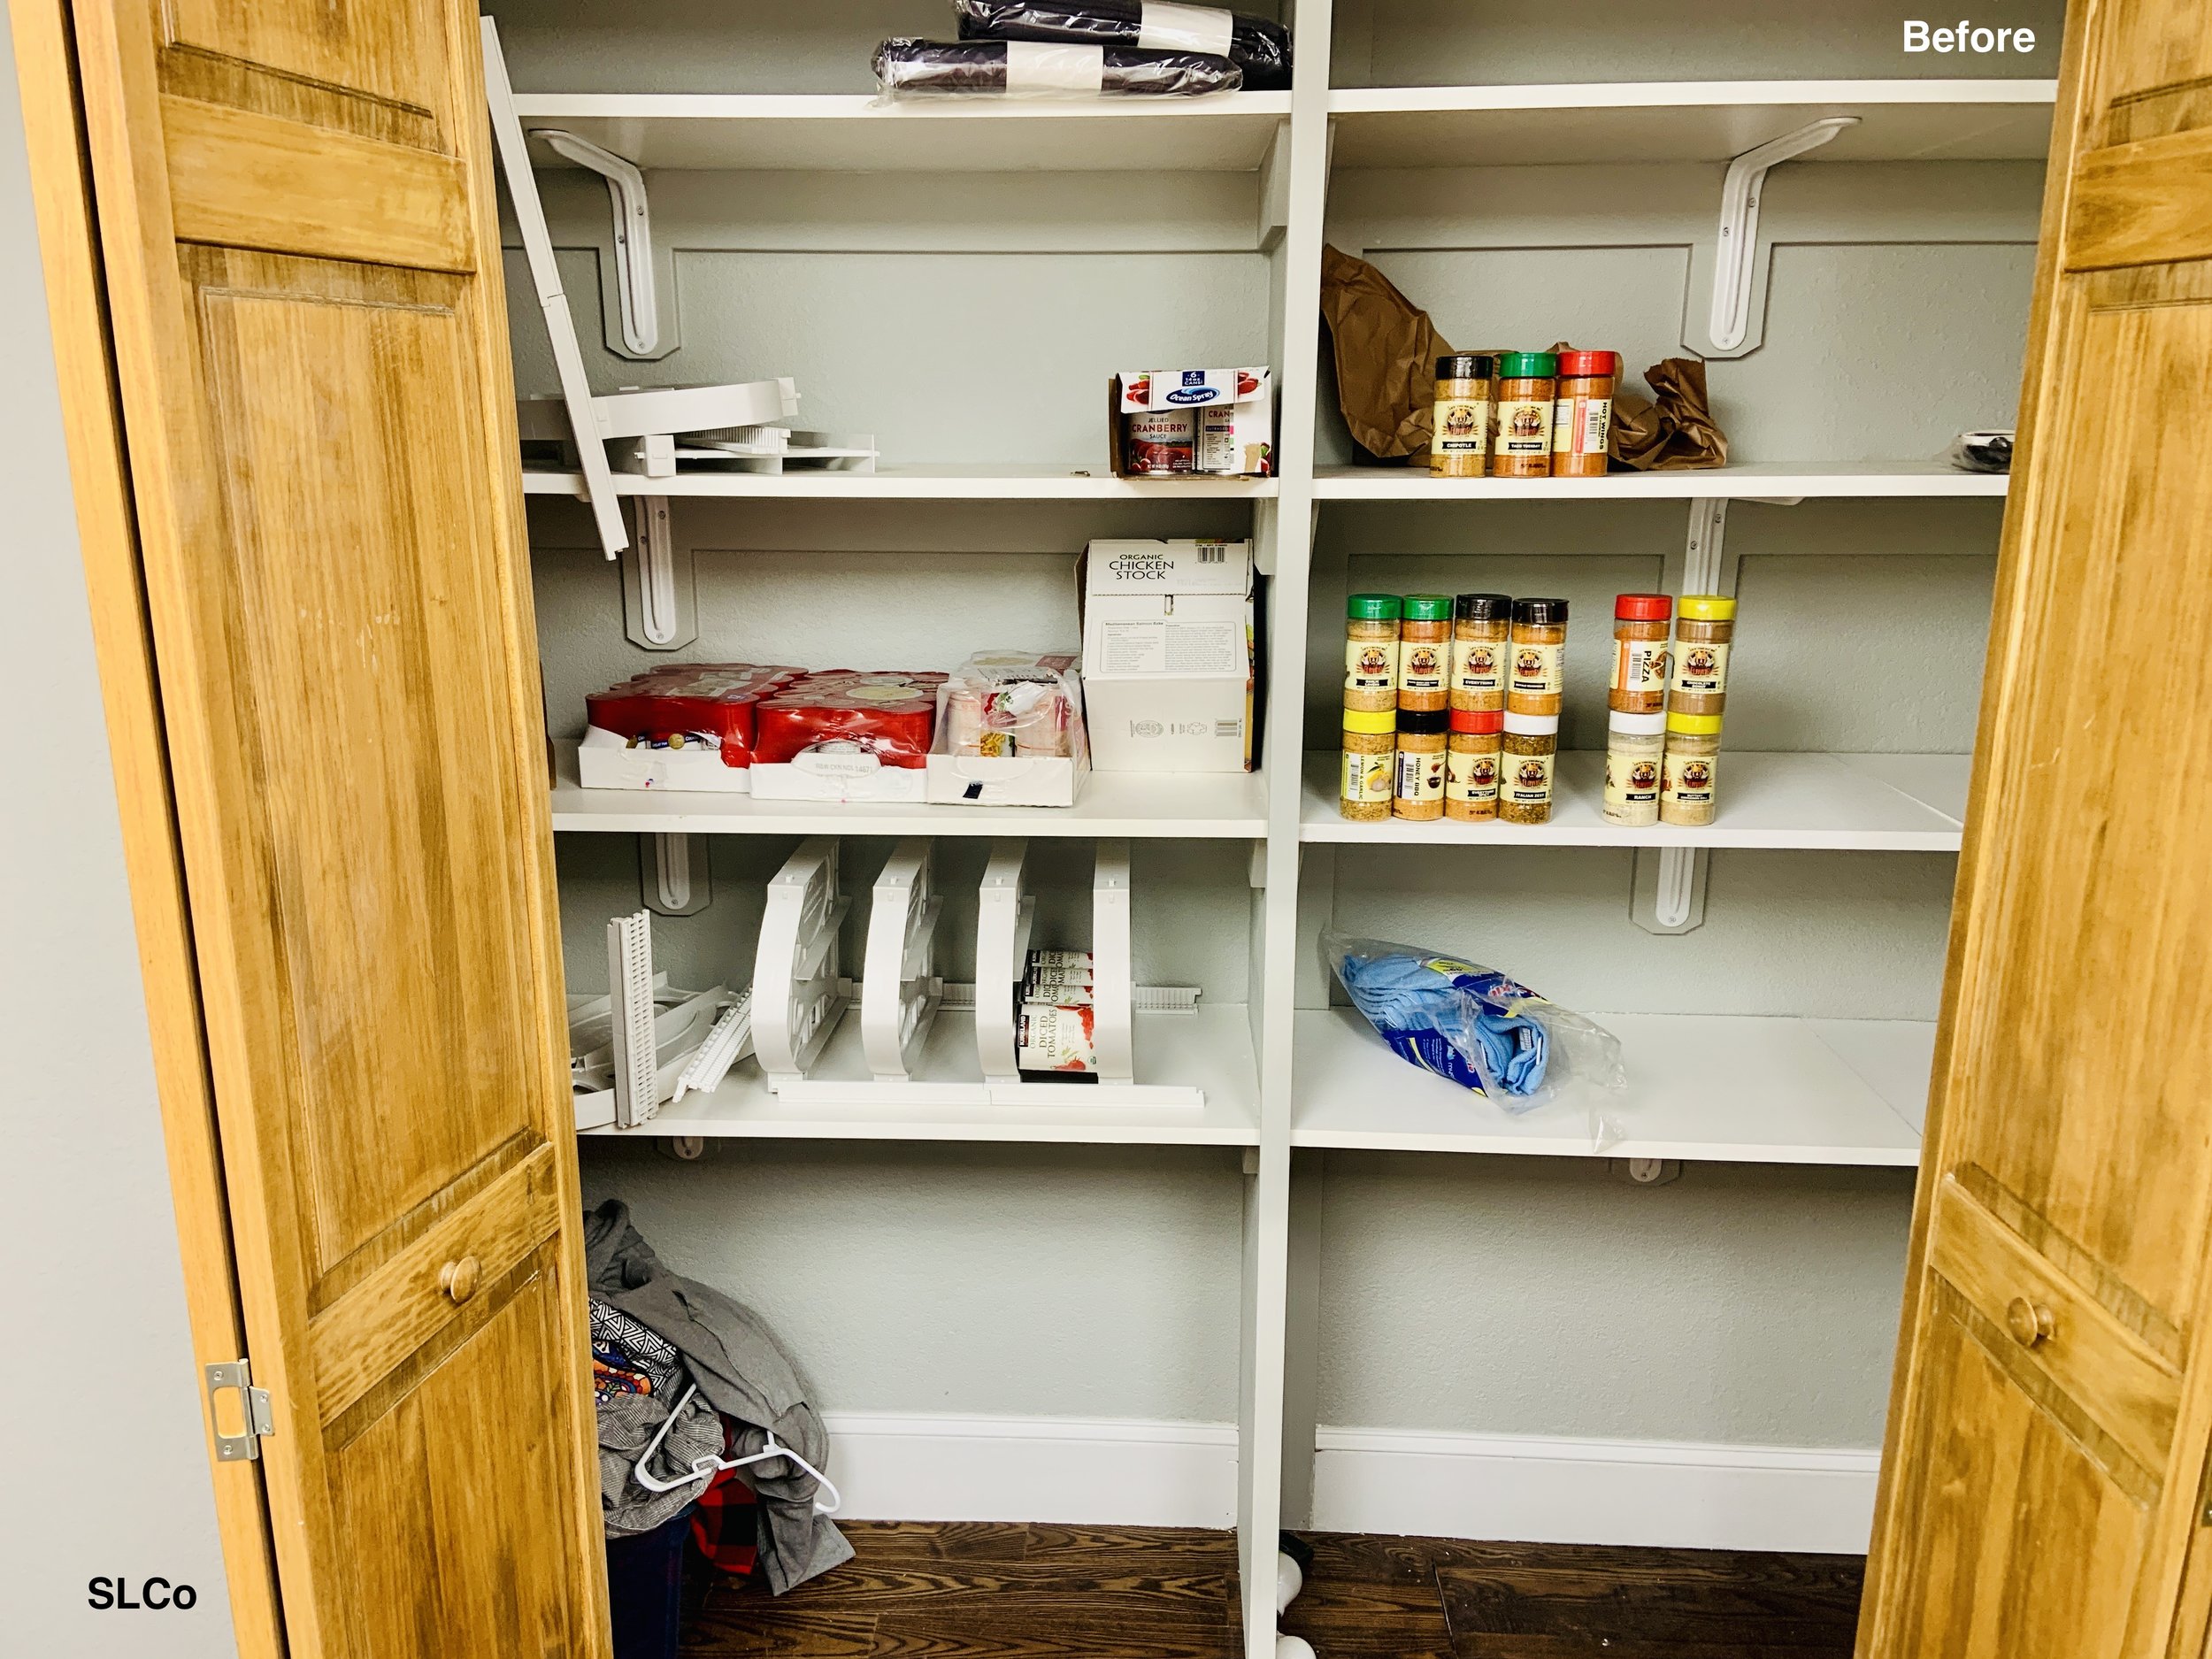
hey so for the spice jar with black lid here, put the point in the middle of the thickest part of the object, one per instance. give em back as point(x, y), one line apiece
point(1460, 445)
point(1424, 653)
point(1422, 739)
point(1482, 630)
point(1539, 645)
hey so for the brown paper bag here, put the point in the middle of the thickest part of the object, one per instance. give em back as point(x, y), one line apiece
point(1674, 433)
point(1386, 351)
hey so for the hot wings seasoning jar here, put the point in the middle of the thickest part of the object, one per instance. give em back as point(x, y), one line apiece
point(1634, 746)
point(1472, 763)
point(1460, 447)
point(1531, 747)
point(1539, 646)
point(1582, 414)
point(1641, 662)
point(1702, 642)
point(1370, 652)
point(1686, 781)
point(1424, 653)
point(1370, 775)
point(1421, 758)
point(1482, 628)
point(1528, 386)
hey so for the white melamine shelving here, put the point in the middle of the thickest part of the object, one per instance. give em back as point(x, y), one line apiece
point(921, 483)
point(1779, 480)
point(1693, 120)
point(1207, 807)
point(1226, 133)
point(1734, 1088)
point(1834, 802)
point(1211, 1048)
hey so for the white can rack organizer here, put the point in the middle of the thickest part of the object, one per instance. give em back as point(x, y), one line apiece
point(800, 997)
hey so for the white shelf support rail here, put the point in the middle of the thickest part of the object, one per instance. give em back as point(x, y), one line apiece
point(1113, 969)
point(900, 989)
point(1735, 252)
point(637, 293)
point(660, 606)
point(676, 881)
point(797, 994)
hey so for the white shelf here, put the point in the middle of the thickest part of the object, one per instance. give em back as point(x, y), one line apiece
point(1211, 1049)
point(924, 481)
point(1224, 133)
point(1695, 120)
point(1226, 806)
point(1837, 803)
point(1779, 480)
point(1721, 1087)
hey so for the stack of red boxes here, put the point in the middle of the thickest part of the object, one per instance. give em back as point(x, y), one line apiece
point(890, 715)
point(712, 705)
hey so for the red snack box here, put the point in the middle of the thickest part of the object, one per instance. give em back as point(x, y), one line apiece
point(712, 705)
point(894, 715)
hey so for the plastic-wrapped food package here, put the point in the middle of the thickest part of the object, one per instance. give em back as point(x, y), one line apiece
point(1011, 703)
point(1474, 1026)
point(891, 716)
point(1258, 47)
point(1037, 69)
point(679, 704)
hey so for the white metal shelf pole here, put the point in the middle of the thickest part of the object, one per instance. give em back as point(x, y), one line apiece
point(1267, 1194)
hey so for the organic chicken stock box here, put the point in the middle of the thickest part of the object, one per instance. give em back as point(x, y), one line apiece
point(1168, 656)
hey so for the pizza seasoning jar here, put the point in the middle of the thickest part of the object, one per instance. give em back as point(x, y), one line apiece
point(1370, 652)
point(1424, 653)
point(1471, 764)
point(1539, 645)
point(1701, 640)
point(1371, 746)
point(1528, 386)
point(1685, 780)
point(1482, 630)
point(1582, 414)
point(1421, 759)
point(1460, 447)
point(1531, 748)
point(1640, 664)
point(1634, 747)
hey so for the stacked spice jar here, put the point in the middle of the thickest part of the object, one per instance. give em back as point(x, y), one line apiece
point(1663, 737)
point(1522, 414)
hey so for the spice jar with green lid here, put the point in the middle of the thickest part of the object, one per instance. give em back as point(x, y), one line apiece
point(1539, 646)
point(1421, 752)
point(1460, 445)
point(1370, 652)
point(1424, 653)
point(1482, 625)
point(1634, 746)
point(1471, 764)
point(1531, 750)
point(1702, 635)
point(1687, 780)
point(1370, 775)
point(1528, 387)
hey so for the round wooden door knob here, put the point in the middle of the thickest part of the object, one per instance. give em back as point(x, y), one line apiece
point(458, 1279)
point(2029, 1322)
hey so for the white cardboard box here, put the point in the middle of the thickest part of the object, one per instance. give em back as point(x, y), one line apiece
point(1168, 654)
point(836, 775)
point(1012, 780)
point(605, 760)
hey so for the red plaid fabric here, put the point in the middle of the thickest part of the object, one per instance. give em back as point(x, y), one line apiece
point(725, 1525)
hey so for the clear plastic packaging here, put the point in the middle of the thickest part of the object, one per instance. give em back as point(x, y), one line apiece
point(1258, 46)
point(893, 716)
point(1475, 1028)
point(1031, 69)
point(1011, 703)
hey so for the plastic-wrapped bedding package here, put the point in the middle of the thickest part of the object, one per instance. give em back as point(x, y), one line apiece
point(1475, 1028)
point(1260, 48)
point(1034, 69)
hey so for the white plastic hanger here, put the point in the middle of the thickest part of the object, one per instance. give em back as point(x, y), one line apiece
point(706, 1468)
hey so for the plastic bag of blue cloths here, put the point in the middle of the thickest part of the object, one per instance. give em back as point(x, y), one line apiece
point(1477, 1028)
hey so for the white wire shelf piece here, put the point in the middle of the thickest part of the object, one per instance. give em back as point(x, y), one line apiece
point(1778, 481)
point(924, 481)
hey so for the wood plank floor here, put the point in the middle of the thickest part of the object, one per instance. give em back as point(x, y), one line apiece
point(1038, 1592)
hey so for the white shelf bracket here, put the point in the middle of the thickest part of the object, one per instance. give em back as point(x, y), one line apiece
point(636, 293)
point(1732, 330)
point(676, 879)
point(1670, 891)
point(1113, 966)
point(660, 608)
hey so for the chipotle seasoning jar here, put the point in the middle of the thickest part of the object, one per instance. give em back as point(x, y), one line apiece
point(1701, 639)
point(1634, 746)
point(1460, 447)
point(1421, 758)
point(1685, 780)
point(1539, 646)
point(1370, 747)
point(1524, 776)
point(1482, 630)
point(1528, 386)
point(1424, 653)
point(1582, 414)
point(1640, 664)
point(1472, 763)
point(1370, 652)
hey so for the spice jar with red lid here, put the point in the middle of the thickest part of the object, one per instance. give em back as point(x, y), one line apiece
point(1641, 658)
point(1582, 414)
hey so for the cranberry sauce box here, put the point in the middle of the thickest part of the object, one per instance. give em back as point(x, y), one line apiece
point(846, 735)
point(681, 726)
point(1168, 661)
point(1205, 423)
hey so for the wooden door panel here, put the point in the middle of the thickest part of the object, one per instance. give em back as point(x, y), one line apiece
point(394, 50)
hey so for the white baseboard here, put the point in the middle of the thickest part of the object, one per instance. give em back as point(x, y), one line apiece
point(902, 1466)
point(1524, 1488)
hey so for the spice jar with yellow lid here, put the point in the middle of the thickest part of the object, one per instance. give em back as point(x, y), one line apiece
point(1687, 780)
point(1460, 444)
point(1370, 652)
point(1540, 645)
point(1471, 764)
point(1702, 635)
point(1370, 760)
point(1424, 653)
point(1528, 384)
point(1482, 628)
point(1524, 780)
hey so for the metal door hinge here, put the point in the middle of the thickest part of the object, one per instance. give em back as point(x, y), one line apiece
point(258, 1415)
